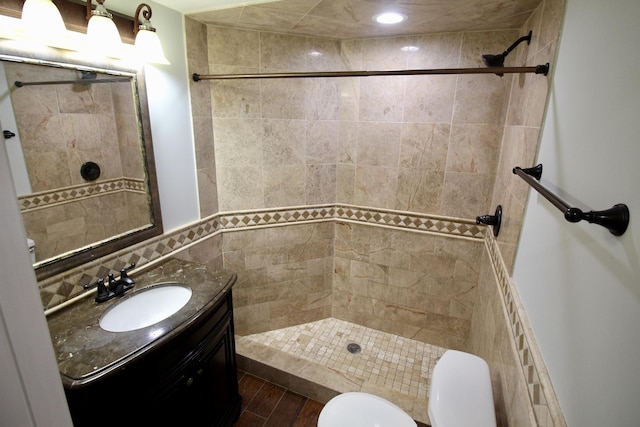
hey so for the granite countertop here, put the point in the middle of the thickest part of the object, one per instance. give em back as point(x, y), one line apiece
point(86, 352)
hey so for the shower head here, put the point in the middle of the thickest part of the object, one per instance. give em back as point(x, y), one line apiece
point(493, 60)
point(498, 60)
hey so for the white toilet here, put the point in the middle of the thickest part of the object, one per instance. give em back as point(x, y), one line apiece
point(460, 396)
point(31, 245)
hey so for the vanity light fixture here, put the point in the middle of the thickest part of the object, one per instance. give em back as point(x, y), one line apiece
point(147, 44)
point(389, 18)
point(38, 15)
point(102, 33)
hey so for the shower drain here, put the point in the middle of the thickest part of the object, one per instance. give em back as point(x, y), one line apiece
point(353, 348)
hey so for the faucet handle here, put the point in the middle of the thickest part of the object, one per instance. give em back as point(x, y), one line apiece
point(126, 280)
point(104, 294)
point(112, 282)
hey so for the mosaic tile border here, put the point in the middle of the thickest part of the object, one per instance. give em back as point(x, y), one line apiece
point(78, 192)
point(411, 221)
point(540, 390)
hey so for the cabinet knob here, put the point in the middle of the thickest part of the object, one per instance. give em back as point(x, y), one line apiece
point(199, 372)
point(189, 381)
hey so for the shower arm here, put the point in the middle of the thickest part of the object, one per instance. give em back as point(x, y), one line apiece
point(526, 38)
point(538, 69)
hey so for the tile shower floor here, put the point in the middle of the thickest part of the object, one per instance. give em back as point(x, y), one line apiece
point(388, 365)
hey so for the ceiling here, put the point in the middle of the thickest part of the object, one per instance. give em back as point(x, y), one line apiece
point(345, 19)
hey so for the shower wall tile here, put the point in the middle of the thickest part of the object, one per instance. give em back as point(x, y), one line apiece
point(207, 194)
point(323, 99)
point(378, 144)
point(231, 47)
point(200, 94)
point(415, 285)
point(345, 182)
point(372, 123)
point(196, 39)
point(320, 185)
point(206, 174)
point(382, 99)
point(375, 186)
point(238, 141)
point(284, 275)
point(424, 146)
point(539, 89)
point(527, 103)
point(419, 190)
point(283, 52)
point(551, 23)
point(481, 99)
point(284, 185)
point(476, 44)
point(500, 333)
point(203, 140)
point(347, 142)
point(464, 192)
point(322, 142)
point(473, 148)
point(436, 51)
point(283, 99)
point(233, 98)
point(423, 156)
point(324, 55)
point(281, 142)
point(240, 187)
point(429, 99)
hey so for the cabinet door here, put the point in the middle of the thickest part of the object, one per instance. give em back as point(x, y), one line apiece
point(216, 380)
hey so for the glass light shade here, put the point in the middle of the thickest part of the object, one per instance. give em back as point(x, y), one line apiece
point(41, 20)
point(103, 37)
point(389, 18)
point(149, 49)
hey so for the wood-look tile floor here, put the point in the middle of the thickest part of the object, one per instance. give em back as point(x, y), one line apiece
point(267, 404)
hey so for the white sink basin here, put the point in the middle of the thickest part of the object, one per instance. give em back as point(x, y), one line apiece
point(146, 307)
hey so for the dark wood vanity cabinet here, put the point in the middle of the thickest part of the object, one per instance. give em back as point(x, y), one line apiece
point(190, 380)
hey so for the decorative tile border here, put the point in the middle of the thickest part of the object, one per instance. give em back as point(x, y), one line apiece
point(271, 217)
point(411, 221)
point(77, 192)
point(61, 288)
point(540, 390)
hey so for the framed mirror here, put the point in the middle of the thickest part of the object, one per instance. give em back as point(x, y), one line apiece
point(81, 156)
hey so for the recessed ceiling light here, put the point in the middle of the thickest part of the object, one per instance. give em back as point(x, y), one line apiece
point(409, 48)
point(389, 18)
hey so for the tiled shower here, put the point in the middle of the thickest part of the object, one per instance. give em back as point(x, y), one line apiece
point(416, 145)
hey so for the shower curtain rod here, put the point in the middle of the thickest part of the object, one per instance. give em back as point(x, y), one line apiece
point(539, 69)
point(19, 83)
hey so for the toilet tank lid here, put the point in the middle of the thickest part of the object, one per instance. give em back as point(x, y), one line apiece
point(461, 393)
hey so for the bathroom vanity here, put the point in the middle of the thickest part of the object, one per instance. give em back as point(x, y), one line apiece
point(178, 371)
